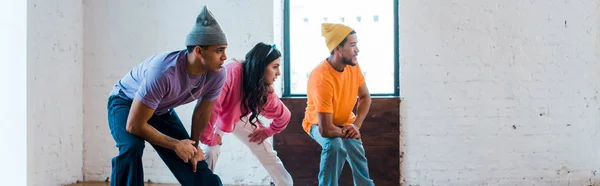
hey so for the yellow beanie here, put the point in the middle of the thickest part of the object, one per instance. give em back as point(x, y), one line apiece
point(334, 34)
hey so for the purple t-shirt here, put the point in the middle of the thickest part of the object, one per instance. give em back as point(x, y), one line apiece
point(162, 82)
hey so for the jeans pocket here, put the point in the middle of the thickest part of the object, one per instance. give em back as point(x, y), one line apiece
point(111, 125)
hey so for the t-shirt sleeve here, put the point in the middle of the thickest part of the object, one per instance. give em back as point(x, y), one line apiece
point(153, 88)
point(215, 88)
point(322, 91)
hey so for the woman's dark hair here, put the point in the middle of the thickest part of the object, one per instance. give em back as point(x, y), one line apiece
point(255, 89)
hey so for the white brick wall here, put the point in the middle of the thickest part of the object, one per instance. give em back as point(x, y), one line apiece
point(119, 34)
point(500, 92)
point(55, 90)
point(13, 94)
point(509, 92)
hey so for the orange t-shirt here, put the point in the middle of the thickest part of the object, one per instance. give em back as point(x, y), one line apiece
point(331, 91)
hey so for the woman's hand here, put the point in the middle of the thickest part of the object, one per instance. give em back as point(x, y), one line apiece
point(218, 139)
point(259, 135)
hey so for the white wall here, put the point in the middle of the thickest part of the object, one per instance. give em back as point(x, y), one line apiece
point(55, 90)
point(484, 67)
point(13, 99)
point(119, 34)
point(471, 70)
point(277, 15)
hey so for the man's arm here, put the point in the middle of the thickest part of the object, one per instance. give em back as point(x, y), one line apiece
point(211, 104)
point(200, 118)
point(137, 125)
point(364, 103)
point(326, 126)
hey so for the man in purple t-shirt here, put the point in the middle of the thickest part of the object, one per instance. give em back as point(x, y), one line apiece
point(140, 107)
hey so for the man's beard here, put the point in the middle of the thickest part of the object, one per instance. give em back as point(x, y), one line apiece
point(348, 62)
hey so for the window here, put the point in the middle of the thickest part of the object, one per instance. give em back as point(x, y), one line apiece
point(376, 25)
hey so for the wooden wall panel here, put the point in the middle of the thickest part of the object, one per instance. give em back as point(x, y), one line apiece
point(380, 134)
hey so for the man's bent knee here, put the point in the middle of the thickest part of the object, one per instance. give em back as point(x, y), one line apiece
point(334, 145)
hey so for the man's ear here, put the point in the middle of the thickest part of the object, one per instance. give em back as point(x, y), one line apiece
point(338, 49)
point(198, 50)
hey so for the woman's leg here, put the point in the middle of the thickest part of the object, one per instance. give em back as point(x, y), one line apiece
point(212, 152)
point(265, 154)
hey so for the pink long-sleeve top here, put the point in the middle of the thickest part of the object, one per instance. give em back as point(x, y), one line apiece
point(227, 109)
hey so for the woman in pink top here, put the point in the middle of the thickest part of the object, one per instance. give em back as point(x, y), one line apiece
point(248, 93)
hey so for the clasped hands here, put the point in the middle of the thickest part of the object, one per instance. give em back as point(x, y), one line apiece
point(186, 150)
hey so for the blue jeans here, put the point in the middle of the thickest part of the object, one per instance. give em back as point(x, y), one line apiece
point(333, 156)
point(127, 167)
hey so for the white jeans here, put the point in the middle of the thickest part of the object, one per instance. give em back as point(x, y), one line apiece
point(263, 152)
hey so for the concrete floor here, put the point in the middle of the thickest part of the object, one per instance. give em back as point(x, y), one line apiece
point(107, 184)
point(147, 184)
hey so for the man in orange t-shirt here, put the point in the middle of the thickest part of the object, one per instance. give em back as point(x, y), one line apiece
point(333, 87)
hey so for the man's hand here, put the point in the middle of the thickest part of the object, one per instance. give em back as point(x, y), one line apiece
point(351, 131)
point(199, 156)
point(259, 135)
point(185, 149)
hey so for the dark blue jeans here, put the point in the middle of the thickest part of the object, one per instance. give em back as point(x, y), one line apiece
point(127, 167)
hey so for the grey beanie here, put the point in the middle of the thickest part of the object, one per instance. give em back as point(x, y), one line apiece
point(206, 31)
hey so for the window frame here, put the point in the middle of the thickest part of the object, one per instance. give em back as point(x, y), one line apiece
point(286, 55)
